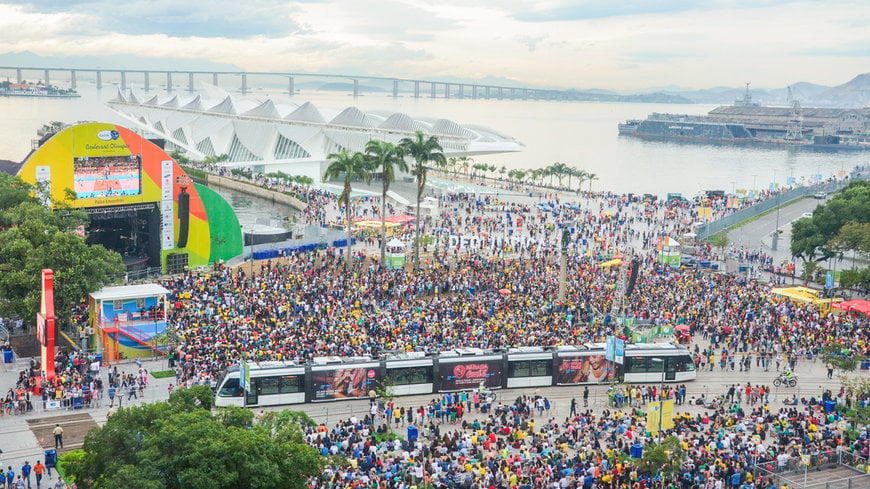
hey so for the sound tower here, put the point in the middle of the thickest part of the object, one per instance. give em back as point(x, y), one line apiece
point(183, 217)
point(176, 263)
point(632, 276)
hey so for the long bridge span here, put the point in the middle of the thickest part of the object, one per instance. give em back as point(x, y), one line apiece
point(175, 79)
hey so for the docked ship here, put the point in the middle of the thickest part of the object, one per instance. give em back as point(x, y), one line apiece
point(747, 122)
point(26, 90)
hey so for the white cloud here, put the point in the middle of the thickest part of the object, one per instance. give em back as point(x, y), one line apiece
point(581, 44)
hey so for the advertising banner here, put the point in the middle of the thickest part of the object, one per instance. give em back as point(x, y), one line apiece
point(469, 375)
point(343, 383)
point(619, 354)
point(587, 369)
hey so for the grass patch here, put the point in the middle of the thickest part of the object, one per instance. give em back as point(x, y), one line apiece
point(162, 374)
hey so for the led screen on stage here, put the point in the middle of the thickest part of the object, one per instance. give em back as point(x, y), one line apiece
point(107, 176)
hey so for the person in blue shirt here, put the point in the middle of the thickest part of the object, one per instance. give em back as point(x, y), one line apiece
point(10, 477)
point(25, 472)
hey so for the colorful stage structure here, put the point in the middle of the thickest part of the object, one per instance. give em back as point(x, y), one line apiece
point(45, 330)
point(125, 320)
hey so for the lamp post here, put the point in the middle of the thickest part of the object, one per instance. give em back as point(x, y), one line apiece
point(563, 260)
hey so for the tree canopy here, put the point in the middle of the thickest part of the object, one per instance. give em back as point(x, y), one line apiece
point(819, 236)
point(180, 443)
point(34, 237)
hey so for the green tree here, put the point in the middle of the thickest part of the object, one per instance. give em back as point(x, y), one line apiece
point(812, 238)
point(387, 158)
point(176, 445)
point(350, 167)
point(720, 241)
point(591, 177)
point(664, 458)
point(423, 149)
point(34, 237)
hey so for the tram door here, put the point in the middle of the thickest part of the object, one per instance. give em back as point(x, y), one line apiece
point(671, 368)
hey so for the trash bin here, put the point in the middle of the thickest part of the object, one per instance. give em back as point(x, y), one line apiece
point(636, 451)
point(51, 458)
point(7, 356)
point(830, 406)
point(412, 433)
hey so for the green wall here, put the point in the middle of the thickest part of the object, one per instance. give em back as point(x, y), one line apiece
point(226, 234)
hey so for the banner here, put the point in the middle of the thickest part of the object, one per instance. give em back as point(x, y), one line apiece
point(588, 369)
point(245, 376)
point(469, 375)
point(609, 348)
point(343, 383)
point(619, 354)
point(660, 414)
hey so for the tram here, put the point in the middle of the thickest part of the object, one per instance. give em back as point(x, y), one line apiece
point(416, 373)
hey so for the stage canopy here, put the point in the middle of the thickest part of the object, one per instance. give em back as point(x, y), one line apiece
point(858, 305)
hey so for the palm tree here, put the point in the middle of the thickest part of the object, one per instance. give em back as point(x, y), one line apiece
point(559, 170)
point(537, 174)
point(590, 177)
point(350, 166)
point(423, 149)
point(502, 171)
point(387, 158)
point(581, 175)
point(465, 161)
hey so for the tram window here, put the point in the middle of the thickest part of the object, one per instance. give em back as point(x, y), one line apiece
point(231, 388)
point(642, 365)
point(287, 384)
point(290, 384)
point(267, 385)
point(685, 364)
point(410, 375)
point(518, 369)
point(530, 368)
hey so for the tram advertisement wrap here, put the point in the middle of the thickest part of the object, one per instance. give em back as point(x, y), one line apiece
point(463, 376)
point(582, 370)
point(343, 383)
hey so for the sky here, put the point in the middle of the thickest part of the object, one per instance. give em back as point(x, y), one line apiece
point(617, 45)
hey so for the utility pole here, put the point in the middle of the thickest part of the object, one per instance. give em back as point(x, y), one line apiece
point(563, 260)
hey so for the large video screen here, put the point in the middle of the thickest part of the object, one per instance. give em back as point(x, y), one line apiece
point(96, 177)
point(470, 375)
point(343, 383)
point(587, 369)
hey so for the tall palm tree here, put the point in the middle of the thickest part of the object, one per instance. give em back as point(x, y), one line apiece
point(581, 175)
point(502, 171)
point(423, 149)
point(557, 170)
point(590, 177)
point(350, 166)
point(387, 158)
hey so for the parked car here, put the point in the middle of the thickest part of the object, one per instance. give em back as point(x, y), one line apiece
point(820, 195)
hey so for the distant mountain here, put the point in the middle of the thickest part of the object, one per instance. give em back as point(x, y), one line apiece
point(854, 93)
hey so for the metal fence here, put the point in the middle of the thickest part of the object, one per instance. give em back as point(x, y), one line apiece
point(706, 230)
point(796, 475)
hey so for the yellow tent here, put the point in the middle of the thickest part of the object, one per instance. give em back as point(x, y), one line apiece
point(804, 294)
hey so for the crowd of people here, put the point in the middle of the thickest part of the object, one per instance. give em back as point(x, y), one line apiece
point(502, 291)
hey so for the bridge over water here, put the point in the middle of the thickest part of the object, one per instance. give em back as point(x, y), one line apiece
point(355, 83)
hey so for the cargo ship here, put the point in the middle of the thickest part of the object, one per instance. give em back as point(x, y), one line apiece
point(747, 122)
point(685, 127)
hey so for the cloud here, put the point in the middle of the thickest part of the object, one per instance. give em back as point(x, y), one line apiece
point(196, 18)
